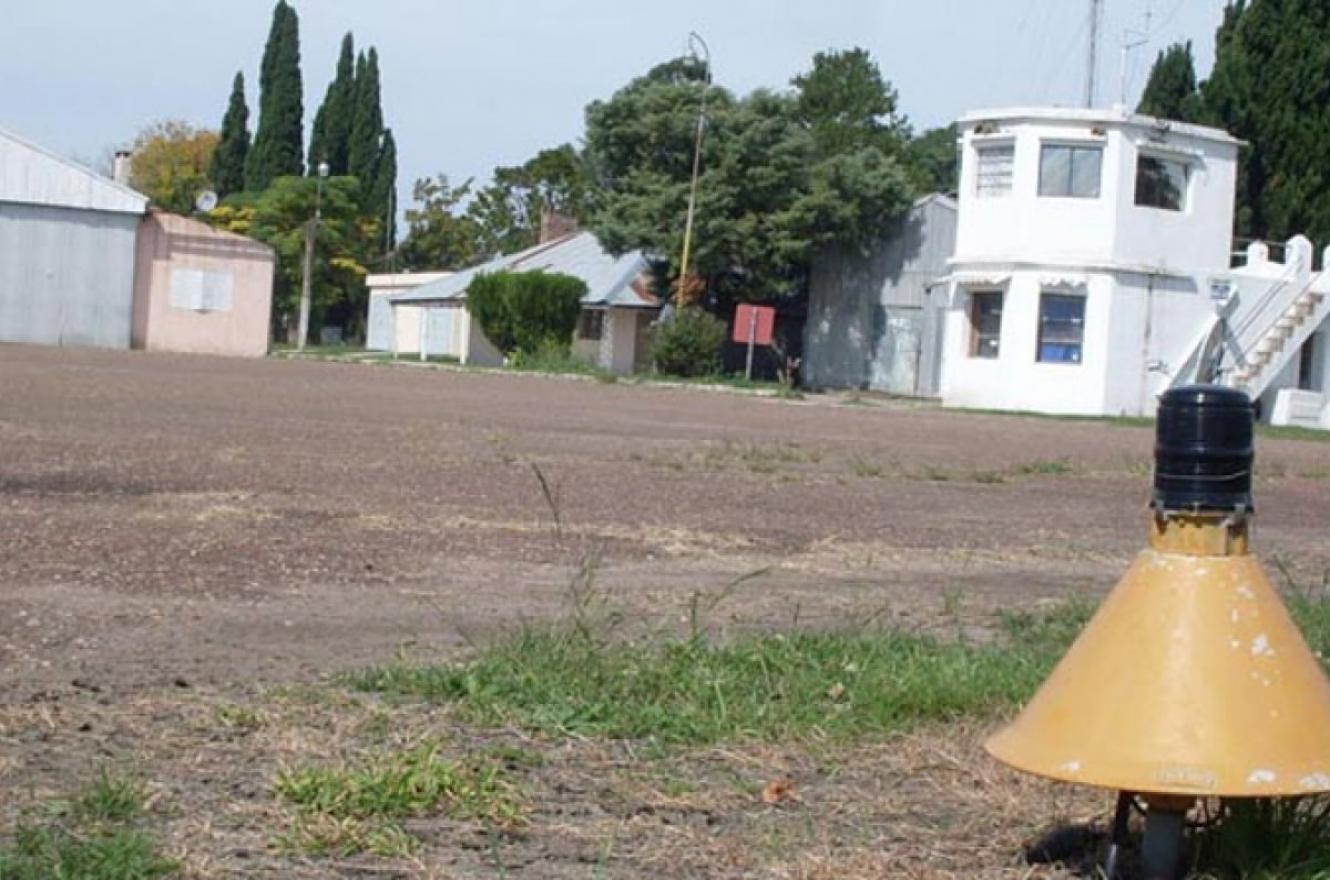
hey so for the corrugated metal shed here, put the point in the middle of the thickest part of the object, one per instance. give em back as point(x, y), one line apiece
point(30, 175)
point(610, 280)
point(67, 241)
point(871, 321)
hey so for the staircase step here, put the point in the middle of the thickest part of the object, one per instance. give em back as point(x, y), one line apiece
point(1269, 346)
point(1290, 322)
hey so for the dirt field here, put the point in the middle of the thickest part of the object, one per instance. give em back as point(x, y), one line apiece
point(181, 533)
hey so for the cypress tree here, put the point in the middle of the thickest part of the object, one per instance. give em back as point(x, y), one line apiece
point(383, 196)
point(1271, 87)
point(367, 124)
point(1171, 93)
point(279, 143)
point(228, 159)
point(331, 138)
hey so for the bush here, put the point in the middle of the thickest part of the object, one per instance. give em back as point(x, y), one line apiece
point(526, 311)
point(689, 344)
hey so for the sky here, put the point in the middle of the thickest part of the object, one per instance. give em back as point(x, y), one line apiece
point(472, 84)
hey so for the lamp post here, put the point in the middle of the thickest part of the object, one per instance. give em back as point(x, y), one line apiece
point(306, 280)
point(695, 42)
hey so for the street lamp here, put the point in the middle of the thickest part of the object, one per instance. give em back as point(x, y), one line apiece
point(306, 280)
point(697, 47)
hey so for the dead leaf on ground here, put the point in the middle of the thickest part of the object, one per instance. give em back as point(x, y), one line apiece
point(779, 791)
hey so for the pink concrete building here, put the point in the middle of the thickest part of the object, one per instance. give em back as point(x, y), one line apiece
point(200, 290)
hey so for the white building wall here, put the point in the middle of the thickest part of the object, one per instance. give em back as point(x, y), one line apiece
point(1016, 379)
point(1144, 271)
point(66, 276)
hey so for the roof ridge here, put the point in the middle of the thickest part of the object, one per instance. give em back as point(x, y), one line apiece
point(70, 163)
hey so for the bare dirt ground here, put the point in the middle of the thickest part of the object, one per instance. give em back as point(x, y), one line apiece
point(179, 535)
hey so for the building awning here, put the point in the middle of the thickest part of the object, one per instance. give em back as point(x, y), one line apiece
point(979, 278)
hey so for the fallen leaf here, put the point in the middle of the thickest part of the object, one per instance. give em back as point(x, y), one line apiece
point(778, 791)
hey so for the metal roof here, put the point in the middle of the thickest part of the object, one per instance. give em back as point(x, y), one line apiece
point(32, 175)
point(609, 279)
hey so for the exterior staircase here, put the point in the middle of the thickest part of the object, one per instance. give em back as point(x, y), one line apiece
point(1257, 366)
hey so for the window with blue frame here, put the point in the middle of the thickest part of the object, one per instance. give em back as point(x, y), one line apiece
point(1061, 328)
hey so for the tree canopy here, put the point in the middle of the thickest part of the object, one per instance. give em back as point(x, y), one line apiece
point(278, 144)
point(228, 160)
point(171, 162)
point(1171, 92)
point(330, 140)
point(783, 174)
point(508, 212)
point(1270, 86)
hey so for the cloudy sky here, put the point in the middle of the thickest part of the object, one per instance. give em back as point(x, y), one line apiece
point(470, 84)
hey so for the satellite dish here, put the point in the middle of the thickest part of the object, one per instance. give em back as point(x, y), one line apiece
point(206, 201)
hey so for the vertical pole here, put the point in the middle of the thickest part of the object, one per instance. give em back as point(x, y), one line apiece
point(752, 340)
point(697, 163)
point(1092, 62)
point(424, 331)
point(302, 326)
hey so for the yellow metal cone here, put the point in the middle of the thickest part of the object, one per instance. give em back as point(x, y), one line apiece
point(1191, 679)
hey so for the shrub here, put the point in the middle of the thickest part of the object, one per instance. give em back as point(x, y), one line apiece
point(689, 344)
point(526, 311)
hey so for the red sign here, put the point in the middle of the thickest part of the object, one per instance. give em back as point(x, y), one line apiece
point(753, 324)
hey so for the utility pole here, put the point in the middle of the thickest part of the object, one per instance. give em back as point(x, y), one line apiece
point(1092, 62)
point(695, 41)
point(307, 274)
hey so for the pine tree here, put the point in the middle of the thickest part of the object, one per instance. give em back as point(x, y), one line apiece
point(331, 137)
point(1171, 90)
point(383, 196)
point(367, 124)
point(279, 143)
point(228, 160)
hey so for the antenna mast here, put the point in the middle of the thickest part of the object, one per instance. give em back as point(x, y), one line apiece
point(1092, 62)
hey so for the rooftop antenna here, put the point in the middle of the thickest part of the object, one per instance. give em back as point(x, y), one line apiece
point(1092, 62)
point(1131, 39)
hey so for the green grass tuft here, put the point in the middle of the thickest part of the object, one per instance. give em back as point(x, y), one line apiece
point(1267, 839)
point(353, 808)
point(110, 798)
point(44, 853)
point(802, 686)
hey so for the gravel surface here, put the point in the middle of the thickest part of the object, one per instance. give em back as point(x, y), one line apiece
point(198, 519)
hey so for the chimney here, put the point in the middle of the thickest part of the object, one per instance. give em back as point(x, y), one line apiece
point(555, 225)
point(120, 167)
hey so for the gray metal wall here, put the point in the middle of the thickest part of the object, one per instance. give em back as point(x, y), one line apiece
point(66, 276)
point(871, 323)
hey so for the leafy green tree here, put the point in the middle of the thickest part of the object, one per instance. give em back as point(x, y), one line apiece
point(440, 234)
point(278, 147)
point(933, 160)
point(508, 212)
point(331, 139)
point(1171, 92)
point(848, 104)
point(171, 162)
point(279, 215)
point(228, 160)
point(776, 185)
point(526, 311)
point(366, 124)
point(1270, 86)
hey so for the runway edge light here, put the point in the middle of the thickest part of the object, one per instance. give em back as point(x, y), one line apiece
point(1191, 680)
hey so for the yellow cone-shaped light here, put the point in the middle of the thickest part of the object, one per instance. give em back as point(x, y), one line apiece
point(1191, 679)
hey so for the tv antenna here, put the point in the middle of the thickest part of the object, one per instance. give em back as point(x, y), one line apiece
point(1131, 39)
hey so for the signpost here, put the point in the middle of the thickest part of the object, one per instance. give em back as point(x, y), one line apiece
point(753, 325)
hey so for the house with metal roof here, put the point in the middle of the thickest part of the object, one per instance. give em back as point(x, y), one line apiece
point(613, 331)
point(67, 240)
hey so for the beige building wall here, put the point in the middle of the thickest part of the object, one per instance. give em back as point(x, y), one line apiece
point(200, 290)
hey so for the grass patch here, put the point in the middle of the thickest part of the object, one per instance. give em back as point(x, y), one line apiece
point(89, 836)
point(551, 359)
point(354, 808)
point(44, 853)
point(1267, 839)
point(804, 686)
